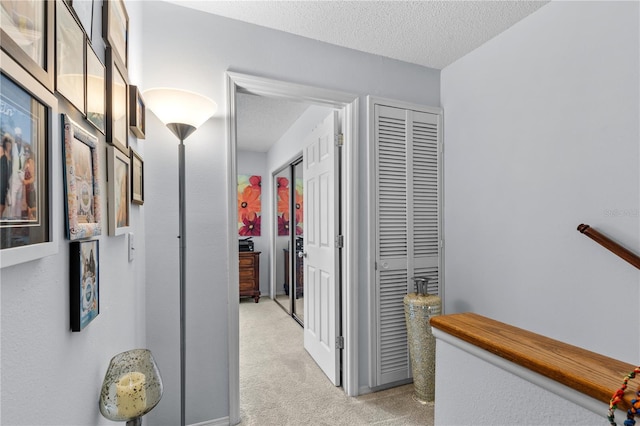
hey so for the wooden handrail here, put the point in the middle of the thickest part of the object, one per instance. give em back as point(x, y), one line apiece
point(611, 245)
point(592, 374)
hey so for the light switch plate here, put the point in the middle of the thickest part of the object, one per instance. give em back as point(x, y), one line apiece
point(131, 247)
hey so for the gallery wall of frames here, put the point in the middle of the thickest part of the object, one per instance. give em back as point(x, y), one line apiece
point(74, 54)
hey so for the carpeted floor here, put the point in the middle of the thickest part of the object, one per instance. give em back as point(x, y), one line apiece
point(280, 384)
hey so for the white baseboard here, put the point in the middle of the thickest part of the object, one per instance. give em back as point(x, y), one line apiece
point(223, 421)
point(363, 390)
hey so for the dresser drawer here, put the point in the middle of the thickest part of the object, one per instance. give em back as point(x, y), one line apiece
point(247, 285)
point(247, 262)
point(246, 274)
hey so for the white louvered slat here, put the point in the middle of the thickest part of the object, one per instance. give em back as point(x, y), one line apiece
point(392, 181)
point(425, 188)
point(393, 332)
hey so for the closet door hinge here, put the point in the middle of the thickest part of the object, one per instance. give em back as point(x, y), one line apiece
point(340, 241)
point(340, 342)
point(339, 139)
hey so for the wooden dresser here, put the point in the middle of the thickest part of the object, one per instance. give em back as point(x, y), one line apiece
point(250, 274)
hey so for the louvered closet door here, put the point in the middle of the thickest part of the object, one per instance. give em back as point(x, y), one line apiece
point(407, 219)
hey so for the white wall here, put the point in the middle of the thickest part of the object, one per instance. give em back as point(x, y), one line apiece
point(50, 375)
point(255, 163)
point(191, 50)
point(542, 134)
point(495, 386)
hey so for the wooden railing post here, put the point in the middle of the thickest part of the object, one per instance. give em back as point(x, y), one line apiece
point(611, 245)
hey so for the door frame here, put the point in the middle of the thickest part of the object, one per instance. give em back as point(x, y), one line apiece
point(349, 103)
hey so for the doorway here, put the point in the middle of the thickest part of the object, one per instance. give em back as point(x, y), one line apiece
point(288, 242)
point(349, 103)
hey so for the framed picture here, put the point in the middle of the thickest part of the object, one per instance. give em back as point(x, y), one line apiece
point(117, 100)
point(136, 112)
point(82, 188)
point(118, 172)
point(27, 34)
point(83, 9)
point(70, 57)
point(115, 29)
point(96, 90)
point(84, 291)
point(249, 205)
point(137, 178)
point(28, 211)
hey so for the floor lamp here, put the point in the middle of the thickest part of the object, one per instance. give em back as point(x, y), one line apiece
point(182, 112)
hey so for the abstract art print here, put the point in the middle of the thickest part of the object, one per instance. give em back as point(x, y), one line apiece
point(249, 205)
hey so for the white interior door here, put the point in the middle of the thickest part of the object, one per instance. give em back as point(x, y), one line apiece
point(321, 324)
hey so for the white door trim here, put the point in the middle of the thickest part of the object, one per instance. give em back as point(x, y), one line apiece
point(326, 97)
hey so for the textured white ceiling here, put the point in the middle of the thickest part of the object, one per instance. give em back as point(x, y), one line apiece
point(262, 121)
point(429, 33)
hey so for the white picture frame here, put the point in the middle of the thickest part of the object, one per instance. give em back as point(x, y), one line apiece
point(17, 255)
point(119, 184)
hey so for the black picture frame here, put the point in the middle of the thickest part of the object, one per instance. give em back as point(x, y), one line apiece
point(96, 90)
point(83, 9)
point(137, 178)
point(84, 283)
point(117, 128)
point(137, 112)
point(81, 182)
point(71, 57)
point(36, 58)
point(115, 29)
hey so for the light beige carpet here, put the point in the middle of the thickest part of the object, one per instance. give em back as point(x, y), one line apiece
point(280, 384)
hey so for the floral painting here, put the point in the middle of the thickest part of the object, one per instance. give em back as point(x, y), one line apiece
point(284, 192)
point(249, 205)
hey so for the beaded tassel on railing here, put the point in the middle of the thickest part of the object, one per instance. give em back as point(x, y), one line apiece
point(619, 395)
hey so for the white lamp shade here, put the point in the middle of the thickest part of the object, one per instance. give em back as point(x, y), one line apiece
point(179, 106)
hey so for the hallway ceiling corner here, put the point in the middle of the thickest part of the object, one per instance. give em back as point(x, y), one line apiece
point(429, 33)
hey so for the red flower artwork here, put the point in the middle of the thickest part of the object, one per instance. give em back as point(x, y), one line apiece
point(249, 205)
point(250, 226)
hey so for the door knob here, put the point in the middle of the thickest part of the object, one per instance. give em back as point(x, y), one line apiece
point(302, 254)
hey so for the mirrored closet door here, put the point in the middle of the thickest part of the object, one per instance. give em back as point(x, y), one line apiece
point(288, 207)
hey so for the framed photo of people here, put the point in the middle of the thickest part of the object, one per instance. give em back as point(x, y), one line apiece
point(85, 283)
point(82, 188)
point(118, 177)
point(28, 220)
point(32, 45)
